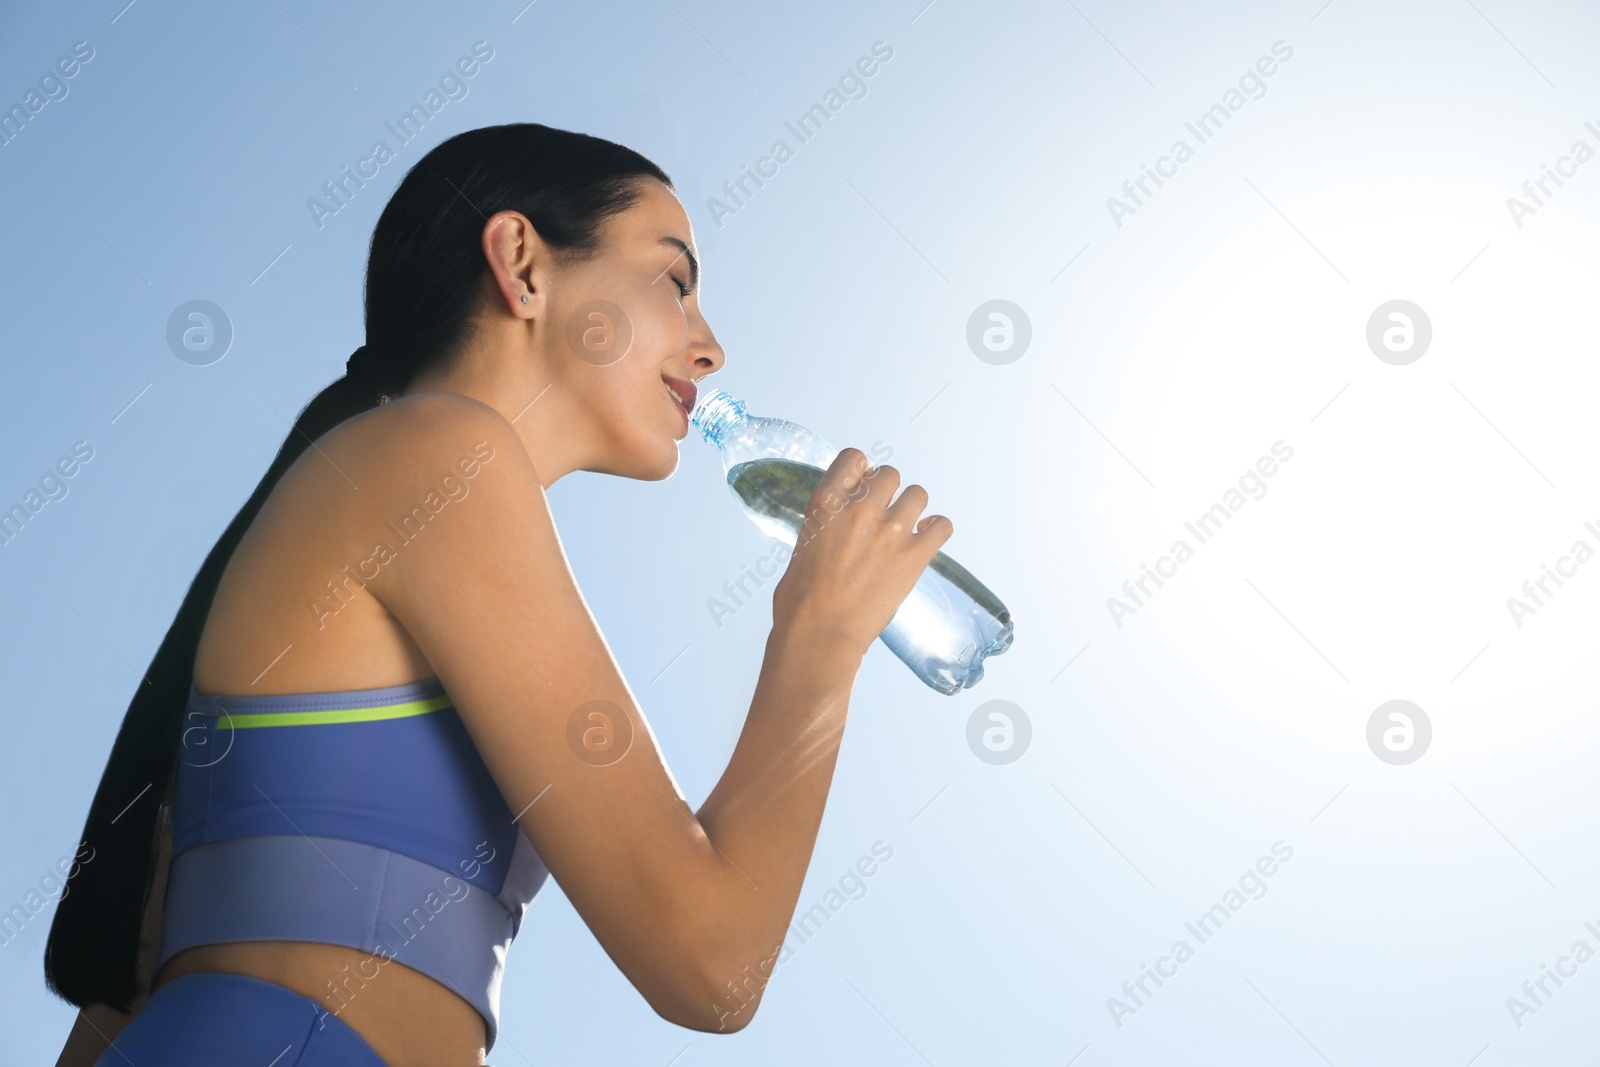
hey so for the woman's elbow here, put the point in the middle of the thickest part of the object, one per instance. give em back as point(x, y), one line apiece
point(710, 995)
point(707, 1017)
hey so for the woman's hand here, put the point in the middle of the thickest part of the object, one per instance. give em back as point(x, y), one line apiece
point(858, 555)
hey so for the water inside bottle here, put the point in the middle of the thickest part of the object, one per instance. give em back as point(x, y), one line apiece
point(944, 628)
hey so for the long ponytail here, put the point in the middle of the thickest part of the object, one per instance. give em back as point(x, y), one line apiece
point(424, 269)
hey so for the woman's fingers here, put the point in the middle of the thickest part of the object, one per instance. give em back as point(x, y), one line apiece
point(937, 527)
point(882, 483)
point(846, 473)
point(904, 511)
point(864, 548)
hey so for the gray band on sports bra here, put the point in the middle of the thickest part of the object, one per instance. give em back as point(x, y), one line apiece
point(324, 889)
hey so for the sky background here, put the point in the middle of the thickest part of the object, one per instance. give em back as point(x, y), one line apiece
point(1171, 347)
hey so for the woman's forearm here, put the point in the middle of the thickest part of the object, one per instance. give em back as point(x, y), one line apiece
point(764, 813)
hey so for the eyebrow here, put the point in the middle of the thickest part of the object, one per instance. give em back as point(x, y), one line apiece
point(684, 250)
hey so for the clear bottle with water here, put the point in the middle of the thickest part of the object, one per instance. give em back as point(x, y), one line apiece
point(949, 623)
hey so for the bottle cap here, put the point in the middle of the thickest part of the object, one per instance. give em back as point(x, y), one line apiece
point(715, 413)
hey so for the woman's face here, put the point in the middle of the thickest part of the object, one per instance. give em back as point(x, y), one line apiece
point(621, 332)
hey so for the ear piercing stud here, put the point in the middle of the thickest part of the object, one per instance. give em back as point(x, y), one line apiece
point(524, 298)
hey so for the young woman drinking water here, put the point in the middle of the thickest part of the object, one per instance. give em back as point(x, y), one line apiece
point(384, 714)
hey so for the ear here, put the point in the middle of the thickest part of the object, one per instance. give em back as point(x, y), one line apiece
point(515, 253)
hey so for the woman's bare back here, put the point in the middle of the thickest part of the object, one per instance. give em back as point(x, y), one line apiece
point(291, 616)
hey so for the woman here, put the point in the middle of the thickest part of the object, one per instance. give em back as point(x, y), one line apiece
point(384, 712)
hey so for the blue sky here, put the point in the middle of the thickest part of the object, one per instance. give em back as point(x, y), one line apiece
point(1178, 331)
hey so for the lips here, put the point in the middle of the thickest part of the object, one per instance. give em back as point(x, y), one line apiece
point(681, 391)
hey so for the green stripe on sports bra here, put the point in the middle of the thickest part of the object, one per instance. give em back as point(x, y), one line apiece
point(328, 718)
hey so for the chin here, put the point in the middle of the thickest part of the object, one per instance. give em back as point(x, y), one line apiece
point(663, 468)
point(646, 461)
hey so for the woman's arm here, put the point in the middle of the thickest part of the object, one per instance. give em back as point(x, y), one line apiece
point(692, 908)
point(92, 1033)
point(98, 1025)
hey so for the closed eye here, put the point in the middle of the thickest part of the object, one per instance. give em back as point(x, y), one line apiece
point(684, 253)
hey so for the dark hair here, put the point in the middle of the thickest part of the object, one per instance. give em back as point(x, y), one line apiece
point(424, 271)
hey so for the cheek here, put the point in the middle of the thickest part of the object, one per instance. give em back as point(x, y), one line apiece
point(618, 395)
point(627, 396)
point(660, 327)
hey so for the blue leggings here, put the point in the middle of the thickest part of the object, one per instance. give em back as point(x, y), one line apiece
point(219, 1020)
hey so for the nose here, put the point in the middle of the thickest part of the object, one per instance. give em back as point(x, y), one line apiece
point(705, 354)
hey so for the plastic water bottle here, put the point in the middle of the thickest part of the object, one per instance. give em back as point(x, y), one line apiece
point(949, 623)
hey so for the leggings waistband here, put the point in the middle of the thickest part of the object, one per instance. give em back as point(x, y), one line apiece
point(208, 1019)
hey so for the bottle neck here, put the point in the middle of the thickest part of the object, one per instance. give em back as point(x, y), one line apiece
point(716, 414)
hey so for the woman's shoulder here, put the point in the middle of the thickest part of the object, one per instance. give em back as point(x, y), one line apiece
point(425, 418)
point(412, 435)
point(380, 464)
point(351, 502)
